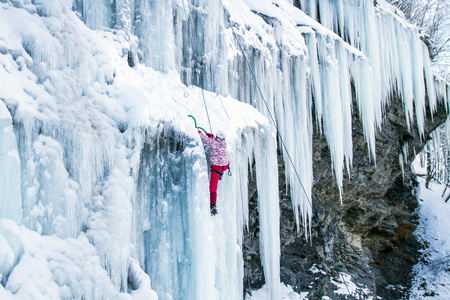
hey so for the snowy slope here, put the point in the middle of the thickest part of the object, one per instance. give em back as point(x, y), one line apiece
point(431, 273)
point(47, 267)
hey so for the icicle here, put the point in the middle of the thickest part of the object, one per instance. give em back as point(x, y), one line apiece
point(10, 179)
point(418, 81)
point(361, 73)
point(296, 129)
point(435, 154)
point(346, 103)
point(441, 92)
point(155, 29)
point(310, 7)
point(333, 122)
point(405, 151)
point(406, 87)
point(96, 14)
point(268, 208)
point(327, 14)
point(403, 158)
point(429, 81)
point(401, 163)
point(315, 77)
point(124, 15)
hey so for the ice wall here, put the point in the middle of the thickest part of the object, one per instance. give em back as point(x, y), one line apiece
point(10, 198)
point(108, 156)
point(372, 49)
point(108, 174)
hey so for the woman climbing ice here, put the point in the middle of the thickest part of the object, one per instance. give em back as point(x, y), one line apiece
point(219, 163)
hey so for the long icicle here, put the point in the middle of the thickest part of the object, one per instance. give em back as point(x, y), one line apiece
point(284, 145)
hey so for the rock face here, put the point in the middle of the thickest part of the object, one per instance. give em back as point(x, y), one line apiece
point(370, 233)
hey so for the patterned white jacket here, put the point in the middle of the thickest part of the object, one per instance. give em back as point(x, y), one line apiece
point(218, 149)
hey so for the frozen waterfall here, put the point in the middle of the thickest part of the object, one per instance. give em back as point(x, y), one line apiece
point(105, 180)
point(293, 57)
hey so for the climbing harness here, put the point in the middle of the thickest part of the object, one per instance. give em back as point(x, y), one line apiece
point(221, 173)
point(285, 148)
point(188, 17)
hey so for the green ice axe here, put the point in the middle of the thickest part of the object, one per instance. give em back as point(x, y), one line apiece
point(195, 122)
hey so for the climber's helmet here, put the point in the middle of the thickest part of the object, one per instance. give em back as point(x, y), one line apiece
point(220, 134)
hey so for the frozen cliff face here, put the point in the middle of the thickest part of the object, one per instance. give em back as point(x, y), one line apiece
point(103, 157)
point(374, 52)
point(97, 96)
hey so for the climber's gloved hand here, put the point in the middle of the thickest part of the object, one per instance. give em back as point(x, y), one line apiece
point(199, 131)
point(210, 135)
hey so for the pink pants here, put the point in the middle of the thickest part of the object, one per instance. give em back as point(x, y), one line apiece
point(215, 181)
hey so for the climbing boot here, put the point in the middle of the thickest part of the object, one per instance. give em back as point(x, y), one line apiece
point(213, 210)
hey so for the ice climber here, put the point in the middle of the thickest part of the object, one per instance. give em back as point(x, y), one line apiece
point(219, 163)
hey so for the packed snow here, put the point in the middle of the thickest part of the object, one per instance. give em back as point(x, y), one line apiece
point(287, 293)
point(106, 177)
point(344, 287)
point(36, 266)
point(432, 276)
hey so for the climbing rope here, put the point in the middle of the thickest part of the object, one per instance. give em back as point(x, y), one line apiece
point(223, 105)
point(188, 18)
point(285, 148)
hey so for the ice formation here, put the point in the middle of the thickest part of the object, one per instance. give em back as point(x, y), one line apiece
point(10, 198)
point(101, 158)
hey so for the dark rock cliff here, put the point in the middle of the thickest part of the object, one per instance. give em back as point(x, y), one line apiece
point(370, 233)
